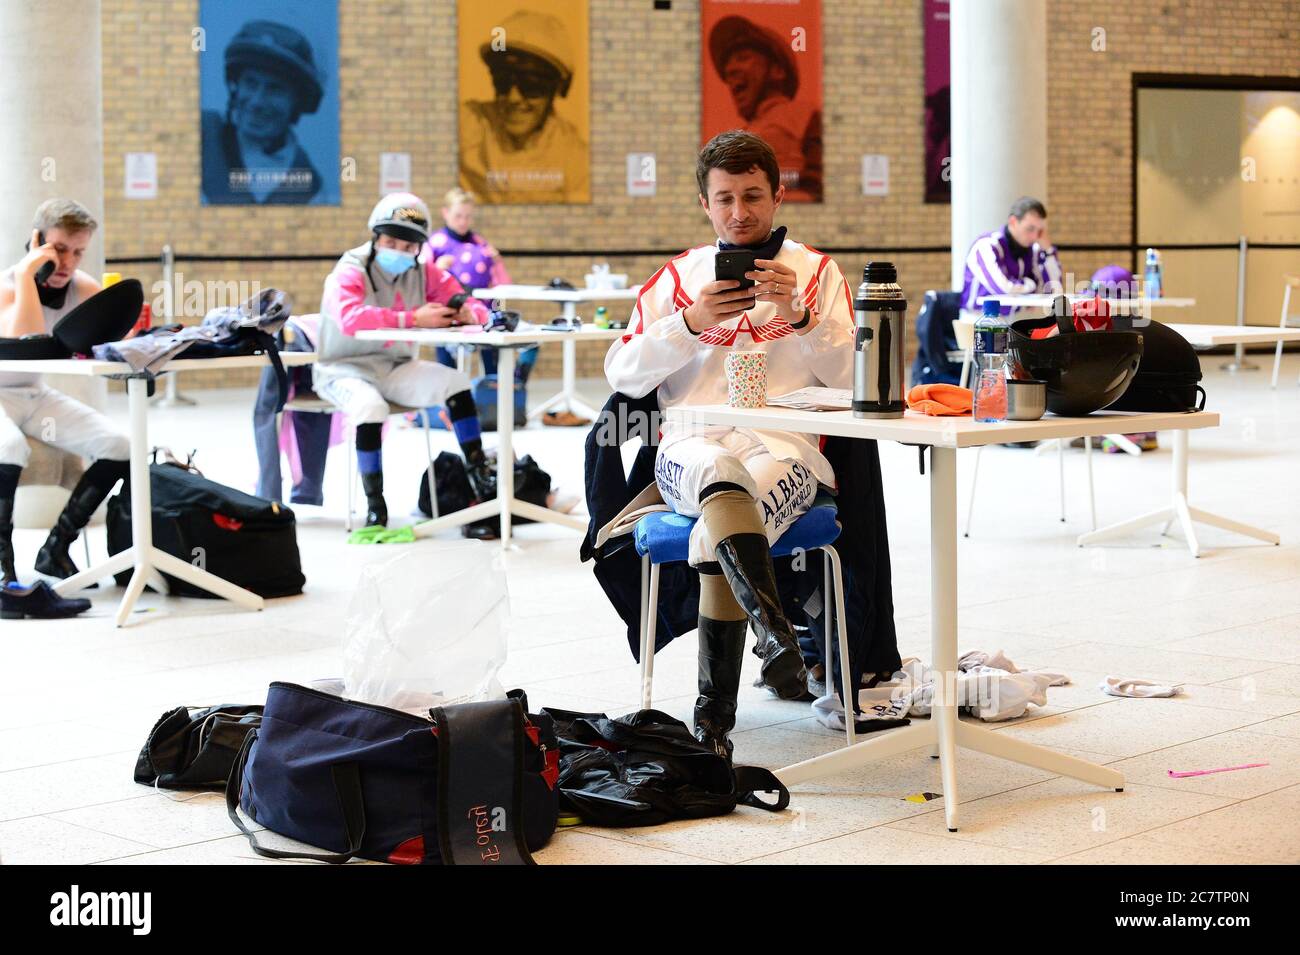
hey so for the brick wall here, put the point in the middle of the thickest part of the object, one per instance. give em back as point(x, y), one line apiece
point(645, 93)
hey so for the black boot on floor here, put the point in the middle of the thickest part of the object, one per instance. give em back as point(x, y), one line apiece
point(38, 601)
point(9, 474)
point(52, 559)
point(376, 506)
point(746, 562)
point(722, 650)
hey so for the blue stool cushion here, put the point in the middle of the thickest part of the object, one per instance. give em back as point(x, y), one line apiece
point(665, 536)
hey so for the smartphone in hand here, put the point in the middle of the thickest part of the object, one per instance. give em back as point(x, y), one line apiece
point(734, 265)
point(45, 271)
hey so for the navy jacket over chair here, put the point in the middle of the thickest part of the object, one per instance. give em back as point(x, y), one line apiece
point(863, 545)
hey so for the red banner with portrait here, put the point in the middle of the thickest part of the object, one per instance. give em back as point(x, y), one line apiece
point(761, 71)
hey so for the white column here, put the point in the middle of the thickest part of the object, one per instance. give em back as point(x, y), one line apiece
point(52, 137)
point(51, 117)
point(999, 114)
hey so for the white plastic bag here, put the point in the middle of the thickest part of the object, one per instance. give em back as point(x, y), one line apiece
point(428, 628)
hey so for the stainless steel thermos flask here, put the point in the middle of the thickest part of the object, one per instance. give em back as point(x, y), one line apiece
point(880, 319)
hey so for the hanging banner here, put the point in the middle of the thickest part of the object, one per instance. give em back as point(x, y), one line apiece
point(268, 91)
point(938, 112)
point(761, 71)
point(525, 118)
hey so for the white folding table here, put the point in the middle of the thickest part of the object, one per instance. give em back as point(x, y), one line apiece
point(943, 436)
point(568, 299)
point(506, 504)
point(1210, 336)
point(146, 559)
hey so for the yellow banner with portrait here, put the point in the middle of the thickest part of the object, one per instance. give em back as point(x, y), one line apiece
point(525, 124)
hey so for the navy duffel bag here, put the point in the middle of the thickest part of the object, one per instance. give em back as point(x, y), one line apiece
point(474, 784)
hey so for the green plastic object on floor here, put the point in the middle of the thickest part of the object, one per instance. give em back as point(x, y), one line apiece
point(382, 535)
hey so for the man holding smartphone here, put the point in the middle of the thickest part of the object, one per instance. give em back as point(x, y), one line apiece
point(745, 486)
point(383, 284)
point(35, 294)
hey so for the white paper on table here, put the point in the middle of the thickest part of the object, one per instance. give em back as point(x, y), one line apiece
point(814, 399)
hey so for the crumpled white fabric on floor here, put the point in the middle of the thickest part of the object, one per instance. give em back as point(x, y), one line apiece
point(988, 685)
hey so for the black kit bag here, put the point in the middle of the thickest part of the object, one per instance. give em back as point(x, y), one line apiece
point(532, 484)
point(646, 768)
point(1168, 378)
point(247, 540)
point(195, 747)
point(471, 784)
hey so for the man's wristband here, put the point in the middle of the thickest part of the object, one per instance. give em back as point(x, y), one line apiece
point(688, 325)
point(803, 322)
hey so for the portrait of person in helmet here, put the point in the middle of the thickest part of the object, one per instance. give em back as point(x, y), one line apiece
point(268, 77)
point(762, 74)
point(515, 147)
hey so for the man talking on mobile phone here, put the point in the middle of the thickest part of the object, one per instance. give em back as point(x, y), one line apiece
point(745, 486)
point(35, 294)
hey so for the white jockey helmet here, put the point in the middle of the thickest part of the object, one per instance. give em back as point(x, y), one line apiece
point(401, 215)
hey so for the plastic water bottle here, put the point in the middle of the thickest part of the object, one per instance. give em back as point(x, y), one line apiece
point(992, 333)
point(1153, 275)
point(991, 340)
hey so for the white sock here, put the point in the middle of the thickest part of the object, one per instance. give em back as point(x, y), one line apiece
point(1141, 689)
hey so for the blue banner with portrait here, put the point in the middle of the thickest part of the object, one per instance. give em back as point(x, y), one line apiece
point(268, 92)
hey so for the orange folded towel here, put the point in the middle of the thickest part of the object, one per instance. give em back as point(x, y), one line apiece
point(940, 399)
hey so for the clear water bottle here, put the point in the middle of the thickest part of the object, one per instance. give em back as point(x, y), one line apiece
point(991, 340)
point(1153, 275)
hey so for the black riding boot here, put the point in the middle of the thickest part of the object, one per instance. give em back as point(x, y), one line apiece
point(746, 562)
point(52, 559)
point(7, 571)
point(376, 507)
point(9, 475)
point(722, 649)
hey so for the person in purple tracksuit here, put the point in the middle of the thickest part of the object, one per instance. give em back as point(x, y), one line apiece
point(1018, 258)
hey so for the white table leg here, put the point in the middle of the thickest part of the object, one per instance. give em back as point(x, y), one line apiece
point(475, 512)
point(568, 393)
point(1178, 510)
point(137, 396)
point(146, 559)
point(943, 618)
point(505, 439)
point(999, 743)
point(943, 730)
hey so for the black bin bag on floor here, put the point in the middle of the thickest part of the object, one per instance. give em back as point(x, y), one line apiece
point(247, 540)
point(646, 768)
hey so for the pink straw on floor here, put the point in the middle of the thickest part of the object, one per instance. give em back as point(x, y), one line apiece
point(1206, 772)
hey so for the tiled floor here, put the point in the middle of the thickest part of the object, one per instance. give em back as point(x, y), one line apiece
point(79, 697)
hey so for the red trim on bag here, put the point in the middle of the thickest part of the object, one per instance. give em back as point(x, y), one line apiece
point(552, 771)
point(410, 852)
point(227, 523)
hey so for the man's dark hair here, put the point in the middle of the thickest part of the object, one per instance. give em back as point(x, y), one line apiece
point(736, 151)
point(1026, 204)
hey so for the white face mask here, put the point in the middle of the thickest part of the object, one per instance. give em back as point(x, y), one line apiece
point(394, 262)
